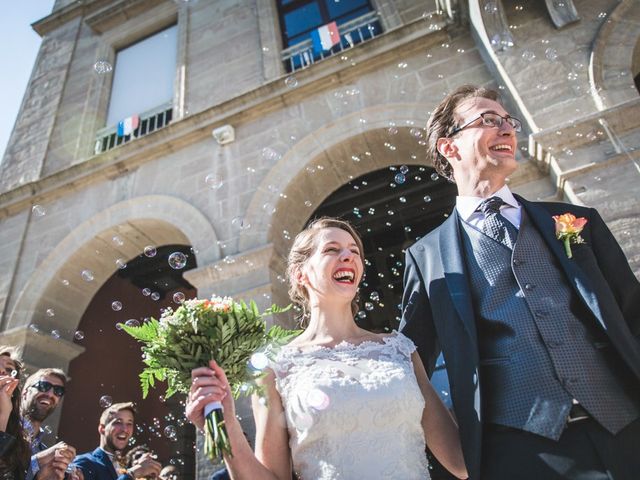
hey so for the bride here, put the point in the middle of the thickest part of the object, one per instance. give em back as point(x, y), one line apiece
point(341, 402)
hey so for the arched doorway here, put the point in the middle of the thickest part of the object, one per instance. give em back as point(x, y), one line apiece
point(107, 371)
point(392, 208)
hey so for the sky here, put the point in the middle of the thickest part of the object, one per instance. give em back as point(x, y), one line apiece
point(19, 45)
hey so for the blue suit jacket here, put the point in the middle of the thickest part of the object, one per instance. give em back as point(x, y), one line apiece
point(438, 312)
point(96, 465)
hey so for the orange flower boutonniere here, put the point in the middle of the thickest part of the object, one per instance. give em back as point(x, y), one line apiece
point(568, 229)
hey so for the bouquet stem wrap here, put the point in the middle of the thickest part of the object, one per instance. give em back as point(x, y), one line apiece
point(216, 440)
point(222, 329)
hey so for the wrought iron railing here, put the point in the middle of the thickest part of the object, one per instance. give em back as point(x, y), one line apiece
point(150, 121)
point(353, 32)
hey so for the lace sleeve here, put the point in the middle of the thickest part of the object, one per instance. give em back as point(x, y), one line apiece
point(404, 344)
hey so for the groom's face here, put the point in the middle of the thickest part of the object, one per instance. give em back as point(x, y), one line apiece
point(480, 151)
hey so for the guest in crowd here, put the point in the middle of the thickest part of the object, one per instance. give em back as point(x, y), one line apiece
point(42, 393)
point(106, 462)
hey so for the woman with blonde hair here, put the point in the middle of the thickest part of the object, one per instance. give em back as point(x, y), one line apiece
point(341, 402)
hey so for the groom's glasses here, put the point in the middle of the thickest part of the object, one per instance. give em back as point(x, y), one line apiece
point(44, 386)
point(490, 119)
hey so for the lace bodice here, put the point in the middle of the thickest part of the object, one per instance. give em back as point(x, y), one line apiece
point(353, 411)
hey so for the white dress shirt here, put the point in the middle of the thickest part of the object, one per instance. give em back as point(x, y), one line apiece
point(467, 208)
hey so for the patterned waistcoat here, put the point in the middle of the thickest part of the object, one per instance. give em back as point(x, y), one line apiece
point(540, 347)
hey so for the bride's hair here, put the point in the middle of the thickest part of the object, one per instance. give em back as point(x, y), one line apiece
point(303, 247)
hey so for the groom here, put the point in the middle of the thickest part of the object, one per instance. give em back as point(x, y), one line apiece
point(541, 342)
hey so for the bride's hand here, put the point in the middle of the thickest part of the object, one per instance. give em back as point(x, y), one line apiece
point(208, 385)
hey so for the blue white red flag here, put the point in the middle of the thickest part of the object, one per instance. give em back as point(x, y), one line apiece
point(325, 37)
point(128, 125)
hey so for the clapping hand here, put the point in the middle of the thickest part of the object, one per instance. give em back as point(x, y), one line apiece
point(146, 466)
point(54, 461)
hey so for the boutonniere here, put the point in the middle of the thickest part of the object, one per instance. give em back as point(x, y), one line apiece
point(568, 229)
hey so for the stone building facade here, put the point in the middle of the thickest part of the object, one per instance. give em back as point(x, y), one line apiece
point(70, 208)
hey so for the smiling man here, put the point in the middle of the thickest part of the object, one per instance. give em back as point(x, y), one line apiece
point(41, 395)
point(540, 335)
point(117, 423)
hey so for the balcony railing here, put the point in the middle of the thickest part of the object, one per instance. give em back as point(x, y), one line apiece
point(358, 30)
point(150, 121)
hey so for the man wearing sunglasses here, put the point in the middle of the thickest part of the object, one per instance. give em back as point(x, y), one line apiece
point(41, 395)
point(541, 341)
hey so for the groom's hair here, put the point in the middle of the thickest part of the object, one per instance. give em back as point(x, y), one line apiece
point(111, 411)
point(444, 119)
point(303, 247)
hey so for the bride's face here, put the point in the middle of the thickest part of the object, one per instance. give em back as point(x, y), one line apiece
point(334, 270)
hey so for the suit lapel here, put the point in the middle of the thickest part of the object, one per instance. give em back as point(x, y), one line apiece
point(104, 459)
point(544, 223)
point(454, 272)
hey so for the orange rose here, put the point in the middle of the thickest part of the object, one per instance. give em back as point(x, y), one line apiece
point(568, 229)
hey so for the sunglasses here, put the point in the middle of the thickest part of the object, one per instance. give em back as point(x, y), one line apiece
point(44, 386)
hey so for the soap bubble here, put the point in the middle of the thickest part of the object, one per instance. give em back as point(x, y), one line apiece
point(434, 176)
point(317, 399)
point(291, 81)
point(528, 56)
point(155, 296)
point(551, 54)
point(87, 275)
point(121, 264)
point(132, 322)
point(79, 335)
point(269, 153)
point(491, 8)
point(417, 132)
point(50, 312)
point(259, 361)
point(102, 66)
point(426, 198)
point(400, 178)
point(404, 169)
point(178, 297)
point(240, 223)
point(170, 431)
point(38, 211)
point(117, 240)
point(177, 260)
point(368, 306)
point(55, 334)
point(105, 401)
point(150, 251)
point(213, 181)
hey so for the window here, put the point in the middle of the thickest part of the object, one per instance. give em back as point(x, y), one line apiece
point(144, 76)
point(356, 21)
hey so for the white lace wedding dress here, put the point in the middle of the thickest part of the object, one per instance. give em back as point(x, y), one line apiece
point(353, 411)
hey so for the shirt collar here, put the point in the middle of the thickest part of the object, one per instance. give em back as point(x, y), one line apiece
point(467, 206)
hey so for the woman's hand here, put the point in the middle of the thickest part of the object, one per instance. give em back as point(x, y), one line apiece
point(208, 385)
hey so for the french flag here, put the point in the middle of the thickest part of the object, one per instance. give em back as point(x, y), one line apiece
point(325, 37)
point(128, 125)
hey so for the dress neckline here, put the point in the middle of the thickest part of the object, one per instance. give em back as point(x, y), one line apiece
point(345, 345)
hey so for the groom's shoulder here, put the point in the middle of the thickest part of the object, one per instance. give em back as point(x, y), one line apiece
point(427, 242)
point(558, 208)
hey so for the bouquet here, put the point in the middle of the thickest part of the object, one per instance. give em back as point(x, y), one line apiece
point(200, 330)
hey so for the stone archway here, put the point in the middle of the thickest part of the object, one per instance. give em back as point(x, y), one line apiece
point(117, 233)
point(615, 59)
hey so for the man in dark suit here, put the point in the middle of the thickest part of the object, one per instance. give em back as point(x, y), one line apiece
point(104, 463)
point(540, 339)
